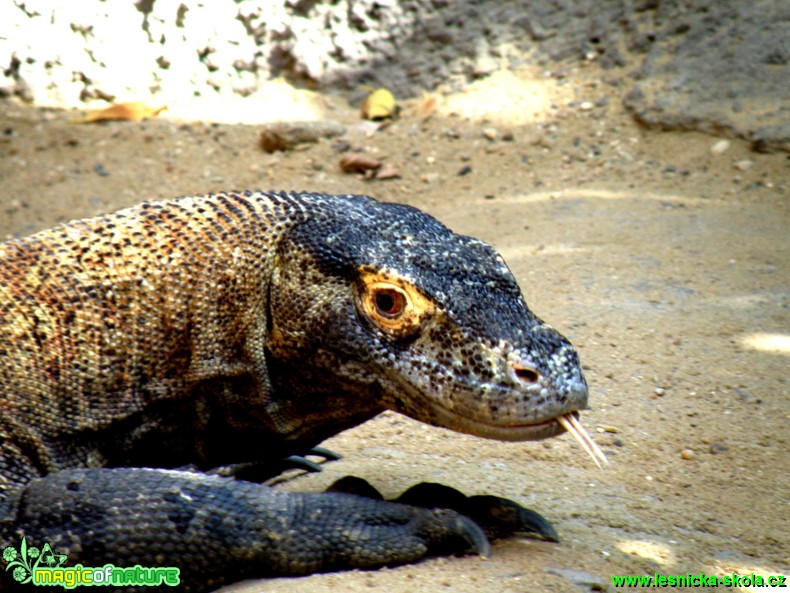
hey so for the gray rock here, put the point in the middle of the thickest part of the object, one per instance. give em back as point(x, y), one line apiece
point(722, 68)
point(287, 135)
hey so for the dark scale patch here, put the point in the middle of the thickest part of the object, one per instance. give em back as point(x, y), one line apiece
point(180, 511)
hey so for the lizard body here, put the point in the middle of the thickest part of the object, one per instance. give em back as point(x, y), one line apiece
point(239, 328)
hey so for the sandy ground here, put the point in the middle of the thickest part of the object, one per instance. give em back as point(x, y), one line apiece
point(666, 263)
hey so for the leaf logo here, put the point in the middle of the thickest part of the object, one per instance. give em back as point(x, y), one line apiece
point(26, 560)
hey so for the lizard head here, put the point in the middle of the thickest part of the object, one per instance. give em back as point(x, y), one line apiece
point(431, 322)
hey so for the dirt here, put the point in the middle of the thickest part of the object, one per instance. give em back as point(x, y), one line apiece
point(663, 256)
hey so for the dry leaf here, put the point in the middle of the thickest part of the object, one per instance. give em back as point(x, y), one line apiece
point(379, 104)
point(133, 111)
point(356, 163)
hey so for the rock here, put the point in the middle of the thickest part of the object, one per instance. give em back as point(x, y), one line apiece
point(484, 63)
point(357, 163)
point(720, 147)
point(429, 177)
point(490, 134)
point(287, 135)
point(698, 77)
point(744, 165)
point(772, 138)
point(465, 170)
point(387, 171)
point(717, 448)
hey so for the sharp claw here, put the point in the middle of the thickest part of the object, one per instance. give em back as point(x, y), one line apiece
point(299, 462)
point(502, 517)
point(536, 523)
point(327, 454)
point(474, 535)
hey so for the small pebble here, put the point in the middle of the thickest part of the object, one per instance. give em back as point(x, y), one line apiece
point(744, 165)
point(286, 135)
point(660, 391)
point(490, 134)
point(387, 171)
point(355, 163)
point(341, 145)
point(465, 170)
point(720, 147)
point(585, 106)
point(687, 454)
point(429, 177)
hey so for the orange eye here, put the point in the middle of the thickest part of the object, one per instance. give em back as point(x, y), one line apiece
point(390, 303)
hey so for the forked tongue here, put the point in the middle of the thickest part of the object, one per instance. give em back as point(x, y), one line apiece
point(571, 423)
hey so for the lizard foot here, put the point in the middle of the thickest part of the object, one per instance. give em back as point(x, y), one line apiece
point(497, 516)
point(140, 516)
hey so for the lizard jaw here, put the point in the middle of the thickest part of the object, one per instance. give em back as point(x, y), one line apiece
point(508, 432)
point(568, 422)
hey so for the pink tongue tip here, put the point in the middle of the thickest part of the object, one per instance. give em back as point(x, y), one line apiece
point(571, 423)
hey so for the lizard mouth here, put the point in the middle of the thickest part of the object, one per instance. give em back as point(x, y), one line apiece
point(568, 422)
point(488, 429)
point(445, 417)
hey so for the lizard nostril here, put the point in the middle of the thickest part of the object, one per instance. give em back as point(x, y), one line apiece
point(527, 374)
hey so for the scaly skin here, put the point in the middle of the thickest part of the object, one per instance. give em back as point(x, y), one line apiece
point(235, 328)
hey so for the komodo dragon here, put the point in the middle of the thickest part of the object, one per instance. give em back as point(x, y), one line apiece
point(243, 328)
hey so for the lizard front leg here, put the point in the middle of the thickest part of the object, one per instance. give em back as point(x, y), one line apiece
point(219, 529)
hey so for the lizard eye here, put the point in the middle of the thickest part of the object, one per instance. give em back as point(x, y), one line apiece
point(393, 305)
point(390, 303)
